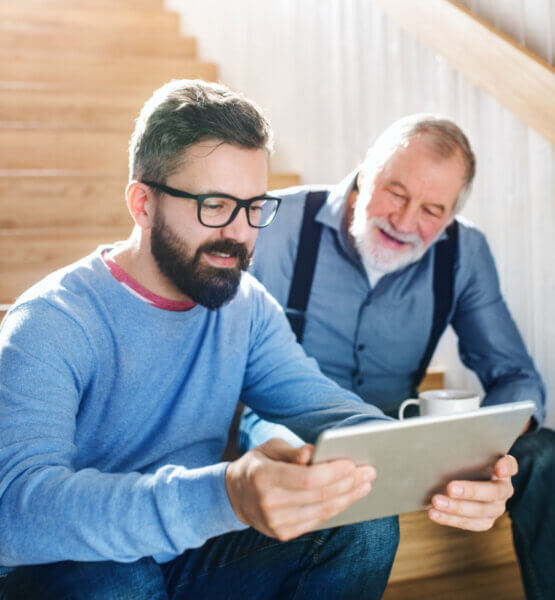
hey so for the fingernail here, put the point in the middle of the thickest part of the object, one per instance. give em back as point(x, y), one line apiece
point(434, 514)
point(369, 474)
point(441, 502)
point(457, 490)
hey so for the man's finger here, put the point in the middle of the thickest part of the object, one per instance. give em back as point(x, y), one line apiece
point(468, 508)
point(481, 491)
point(506, 466)
point(461, 522)
point(293, 498)
point(306, 517)
point(301, 477)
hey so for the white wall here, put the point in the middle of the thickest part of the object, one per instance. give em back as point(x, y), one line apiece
point(331, 74)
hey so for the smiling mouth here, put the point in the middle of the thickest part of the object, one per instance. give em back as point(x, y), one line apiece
point(393, 239)
point(221, 259)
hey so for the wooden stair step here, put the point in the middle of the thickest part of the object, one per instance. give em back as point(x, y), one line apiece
point(40, 200)
point(93, 38)
point(32, 148)
point(500, 583)
point(83, 72)
point(26, 257)
point(107, 5)
point(93, 14)
point(428, 550)
point(71, 109)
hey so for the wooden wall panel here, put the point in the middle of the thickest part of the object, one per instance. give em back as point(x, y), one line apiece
point(522, 82)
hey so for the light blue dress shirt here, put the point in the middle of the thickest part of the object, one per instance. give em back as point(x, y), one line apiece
point(371, 340)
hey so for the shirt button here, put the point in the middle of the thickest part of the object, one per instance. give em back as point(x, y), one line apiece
point(361, 347)
point(360, 381)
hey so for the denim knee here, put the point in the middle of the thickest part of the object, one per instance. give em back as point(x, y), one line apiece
point(535, 453)
point(376, 540)
point(380, 536)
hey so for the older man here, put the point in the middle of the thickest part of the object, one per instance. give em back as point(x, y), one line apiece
point(119, 378)
point(372, 271)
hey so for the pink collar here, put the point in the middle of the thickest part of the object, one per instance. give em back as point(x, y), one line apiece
point(141, 292)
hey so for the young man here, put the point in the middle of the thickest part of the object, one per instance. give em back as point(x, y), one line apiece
point(119, 379)
point(392, 269)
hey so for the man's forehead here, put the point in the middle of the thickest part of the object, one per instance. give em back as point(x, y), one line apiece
point(215, 166)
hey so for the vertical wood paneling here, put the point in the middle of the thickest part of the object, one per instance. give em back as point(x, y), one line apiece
point(332, 74)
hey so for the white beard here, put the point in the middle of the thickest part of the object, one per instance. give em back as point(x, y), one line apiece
point(375, 256)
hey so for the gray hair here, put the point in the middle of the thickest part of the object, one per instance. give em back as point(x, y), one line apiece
point(184, 112)
point(442, 136)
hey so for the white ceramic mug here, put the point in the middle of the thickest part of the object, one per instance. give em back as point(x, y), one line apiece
point(443, 402)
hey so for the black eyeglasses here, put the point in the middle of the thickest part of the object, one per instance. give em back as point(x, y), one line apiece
point(219, 210)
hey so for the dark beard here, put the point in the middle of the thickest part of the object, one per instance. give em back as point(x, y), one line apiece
point(206, 285)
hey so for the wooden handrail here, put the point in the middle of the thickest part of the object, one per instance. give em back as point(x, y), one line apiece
point(518, 79)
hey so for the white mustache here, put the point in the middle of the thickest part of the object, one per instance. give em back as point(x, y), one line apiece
point(408, 238)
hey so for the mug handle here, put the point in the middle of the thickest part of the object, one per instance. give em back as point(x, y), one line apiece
point(413, 401)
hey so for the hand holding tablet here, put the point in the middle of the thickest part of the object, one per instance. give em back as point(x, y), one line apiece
point(416, 459)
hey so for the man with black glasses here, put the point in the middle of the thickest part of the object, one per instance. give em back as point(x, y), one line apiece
point(119, 379)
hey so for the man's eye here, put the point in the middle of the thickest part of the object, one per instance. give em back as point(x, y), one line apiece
point(431, 213)
point(213, 205)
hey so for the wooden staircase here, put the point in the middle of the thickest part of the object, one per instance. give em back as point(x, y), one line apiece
point(73, 77)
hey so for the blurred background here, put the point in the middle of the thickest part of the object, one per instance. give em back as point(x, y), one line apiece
point(330, 74)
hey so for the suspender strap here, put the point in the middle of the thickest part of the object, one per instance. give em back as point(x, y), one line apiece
point(444, 282)
point(303, 273)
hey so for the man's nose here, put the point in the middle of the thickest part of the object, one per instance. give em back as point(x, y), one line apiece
point(239, 229)
point(405, 220)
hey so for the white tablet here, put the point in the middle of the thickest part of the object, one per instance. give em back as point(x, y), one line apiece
point(417, 457)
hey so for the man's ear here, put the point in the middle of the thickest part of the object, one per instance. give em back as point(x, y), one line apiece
point(360, 177)
point(140, 203)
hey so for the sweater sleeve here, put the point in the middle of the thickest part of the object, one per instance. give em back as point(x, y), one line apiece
point(51, 511)
point(285, 386)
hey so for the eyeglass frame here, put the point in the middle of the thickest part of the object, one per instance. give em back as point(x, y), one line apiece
point(200, 198)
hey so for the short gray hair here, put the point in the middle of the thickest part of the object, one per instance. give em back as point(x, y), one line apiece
point(184, 112)
point(442, 136)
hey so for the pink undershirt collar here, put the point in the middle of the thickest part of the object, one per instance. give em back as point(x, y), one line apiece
point(141, 292)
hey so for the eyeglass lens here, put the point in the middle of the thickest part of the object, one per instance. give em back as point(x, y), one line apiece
point(216, 211)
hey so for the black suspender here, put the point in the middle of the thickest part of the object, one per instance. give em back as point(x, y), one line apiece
point(305, 262)
point(444, 284)
point(303, 273)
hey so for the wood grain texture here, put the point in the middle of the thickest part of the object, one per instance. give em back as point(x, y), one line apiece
point(35, 148)
point(519, 80)
point(498, 583)
point(41, 200)
point(91, 72)
point(26, 257)
point(434, 380)
point(91, 37)
point(428, 550)
point(70, 109)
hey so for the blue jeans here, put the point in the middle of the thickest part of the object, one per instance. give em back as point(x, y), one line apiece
point(346, 562)
point(532, 510)
point(532, 507)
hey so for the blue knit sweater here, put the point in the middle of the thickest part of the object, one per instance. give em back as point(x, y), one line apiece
point(114, 415)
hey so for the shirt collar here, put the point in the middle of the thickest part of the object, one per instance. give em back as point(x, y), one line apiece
point(332, 212)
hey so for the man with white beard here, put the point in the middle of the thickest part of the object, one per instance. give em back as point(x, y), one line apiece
point(372, 271)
